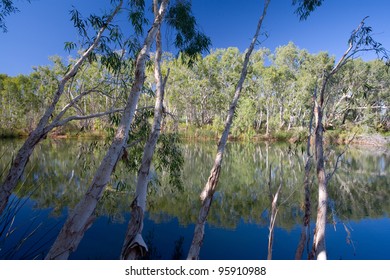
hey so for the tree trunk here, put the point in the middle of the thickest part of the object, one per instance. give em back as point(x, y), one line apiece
point(319, 248)
point(209, 189)
point(18, 165)
point(281, 114)
point(267, 122)
point(134, 246)
point(306, 185)
point(82, 217)
point(274, 212)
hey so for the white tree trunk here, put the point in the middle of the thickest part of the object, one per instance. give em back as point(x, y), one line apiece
point(306, 185)
point(80, 219)
point(267, 122)
point(209, 189)
point(17, 167)
point(319, 248)
point(134, 246)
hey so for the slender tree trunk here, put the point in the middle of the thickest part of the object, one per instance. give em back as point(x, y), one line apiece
point(18, 165)
point(274, 212)
point(281, 114)
point(209, 189)
point(306, 184)
point(134, 246)
point(260, 121)
point(81, 218)
point(319, 248)
point(267, 122)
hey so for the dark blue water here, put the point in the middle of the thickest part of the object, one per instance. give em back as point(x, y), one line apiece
point(358, 229)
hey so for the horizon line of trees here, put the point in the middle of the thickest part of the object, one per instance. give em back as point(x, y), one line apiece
point(278, 92)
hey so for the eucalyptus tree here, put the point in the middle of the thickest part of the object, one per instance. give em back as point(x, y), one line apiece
point(304, 9)
point(359, 41)
point(209, 189)
point(48, 121)
point(190, 41)
point(134, 245)
point(362, 96)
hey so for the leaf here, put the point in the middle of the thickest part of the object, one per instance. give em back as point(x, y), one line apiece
point(69, 46)
point(305, 7)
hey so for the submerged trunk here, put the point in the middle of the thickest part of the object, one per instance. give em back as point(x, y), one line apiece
point(82, 217)
point(209, 189)
point(134, 246)
point(274, 212)
point(305, 232)
point(18, 165)
point(319, 248)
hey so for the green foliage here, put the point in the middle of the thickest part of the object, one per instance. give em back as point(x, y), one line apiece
point(7, 7)
point(69, 46)
point(244, 119)
point(188, 39)
point(137, 15)
point(305, 7)
point(198, 96)
point(169, 156)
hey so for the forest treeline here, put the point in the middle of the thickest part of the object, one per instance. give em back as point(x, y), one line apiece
point(276, 100)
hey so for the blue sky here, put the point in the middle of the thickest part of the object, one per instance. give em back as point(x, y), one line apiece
point(40, 29)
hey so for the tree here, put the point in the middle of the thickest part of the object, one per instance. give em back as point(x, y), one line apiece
point(82, 217)
point(209, 189)
point(45, 124)
point(359, 41)
point(134, 246)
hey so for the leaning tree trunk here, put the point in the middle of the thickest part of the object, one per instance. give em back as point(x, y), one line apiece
point(134, 245)
point(81, 218)
point(208, 191)
point(19, 163)
point(274, 212)
point(319, 248)
point(305, 235)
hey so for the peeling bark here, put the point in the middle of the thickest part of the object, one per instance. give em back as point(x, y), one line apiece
point(134, 246)
point(18, 165)
point(82, 216)
point(209, 189)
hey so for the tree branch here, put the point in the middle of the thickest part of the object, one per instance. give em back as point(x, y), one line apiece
point(73, 118)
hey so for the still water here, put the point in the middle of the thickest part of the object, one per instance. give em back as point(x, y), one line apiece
point(59, 172)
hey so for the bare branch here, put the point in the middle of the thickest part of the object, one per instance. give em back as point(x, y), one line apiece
point(330, 175)
point(73, 118)
point(345, 56)
point(73, 102)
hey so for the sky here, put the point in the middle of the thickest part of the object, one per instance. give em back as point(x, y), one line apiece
point(41, 27)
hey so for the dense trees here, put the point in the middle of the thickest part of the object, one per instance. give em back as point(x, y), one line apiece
point(197, 95)
point(48, 120)
point(281, 89)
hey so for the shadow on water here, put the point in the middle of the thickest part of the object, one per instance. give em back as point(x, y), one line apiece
point(237, 228)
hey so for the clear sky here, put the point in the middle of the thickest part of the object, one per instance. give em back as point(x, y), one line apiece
point(40, 29)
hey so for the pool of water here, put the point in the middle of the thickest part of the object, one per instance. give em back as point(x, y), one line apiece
point(59, 172)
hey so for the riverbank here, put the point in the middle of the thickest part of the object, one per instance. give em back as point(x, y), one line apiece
point(295, 136)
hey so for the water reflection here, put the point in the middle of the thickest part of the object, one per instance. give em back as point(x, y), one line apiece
point(59, 171)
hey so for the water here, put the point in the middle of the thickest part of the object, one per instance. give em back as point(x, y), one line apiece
point(59, 172)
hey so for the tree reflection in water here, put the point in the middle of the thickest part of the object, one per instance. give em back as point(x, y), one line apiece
point(59, 172)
